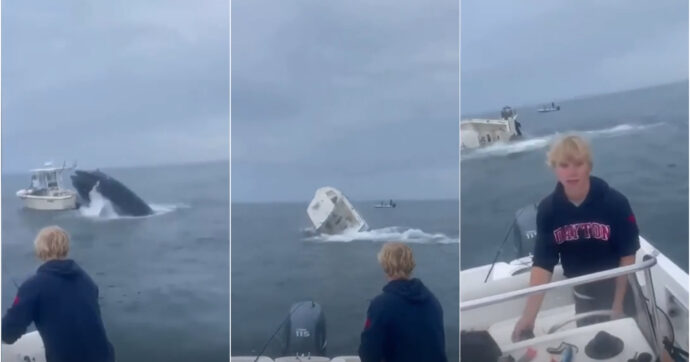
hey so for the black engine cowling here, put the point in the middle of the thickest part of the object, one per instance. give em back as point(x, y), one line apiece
point(306, 330)
point(525, 230)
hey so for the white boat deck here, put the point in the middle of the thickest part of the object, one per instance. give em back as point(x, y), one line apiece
point(497, 312)
point(30, 348)
point(502, 331)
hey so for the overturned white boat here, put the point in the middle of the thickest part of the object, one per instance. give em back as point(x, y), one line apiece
point(481, 132)
point(47, 191)
point(493, 297)
point(332, 213)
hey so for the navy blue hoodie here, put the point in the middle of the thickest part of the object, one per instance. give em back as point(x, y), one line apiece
point(62, 301)
point(588, 238)
point(404, 323)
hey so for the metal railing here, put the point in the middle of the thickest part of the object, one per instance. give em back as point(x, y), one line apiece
point(606, 274)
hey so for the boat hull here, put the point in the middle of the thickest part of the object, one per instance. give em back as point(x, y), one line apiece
point(67, 201)
point(332, 213)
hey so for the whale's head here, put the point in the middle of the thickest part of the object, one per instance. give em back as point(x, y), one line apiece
point(85, 181)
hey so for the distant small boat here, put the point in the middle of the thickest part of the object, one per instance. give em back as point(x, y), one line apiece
point(549, 108)
point(385, 205)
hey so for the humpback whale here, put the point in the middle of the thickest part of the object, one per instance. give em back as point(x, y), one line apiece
point(124, 201)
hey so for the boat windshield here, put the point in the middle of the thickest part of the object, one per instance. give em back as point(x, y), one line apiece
point(576, 314)
point(51, 180)
point(35, 182)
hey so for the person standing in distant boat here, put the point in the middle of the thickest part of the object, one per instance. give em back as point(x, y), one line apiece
point(62, 301)
point(405, 322)
point(588, 225)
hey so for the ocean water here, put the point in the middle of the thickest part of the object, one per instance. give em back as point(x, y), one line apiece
point(163, 279)
point(276, 262)
point(640, 147)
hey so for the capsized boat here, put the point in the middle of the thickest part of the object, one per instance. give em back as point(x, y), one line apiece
point(47, 191)
point(493, 297)
point(482, 132)
point(332, 213)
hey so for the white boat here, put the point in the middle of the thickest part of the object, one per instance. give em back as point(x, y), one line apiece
point(46, 191)
point(385, 205)
point(332, 213)
point(481, 132)
point(492, 298)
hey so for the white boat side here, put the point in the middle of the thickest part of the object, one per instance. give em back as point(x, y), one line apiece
point(64, 201)
point(30, 348)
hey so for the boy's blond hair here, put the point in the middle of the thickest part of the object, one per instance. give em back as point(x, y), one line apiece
point(397, 260)
point(52, 242)
point(567, 149)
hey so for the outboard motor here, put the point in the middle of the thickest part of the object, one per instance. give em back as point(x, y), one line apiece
point(525, 230)
point(306, 330)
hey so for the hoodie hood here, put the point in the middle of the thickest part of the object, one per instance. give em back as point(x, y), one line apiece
point(64, 268)
point(412, 290)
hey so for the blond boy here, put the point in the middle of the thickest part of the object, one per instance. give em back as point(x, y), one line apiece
point(62, 301)
point(590, 227)
point(405, 322)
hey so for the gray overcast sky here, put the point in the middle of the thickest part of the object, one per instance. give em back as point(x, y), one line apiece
point(527, 52)
point(114, 84)
point(361, 95)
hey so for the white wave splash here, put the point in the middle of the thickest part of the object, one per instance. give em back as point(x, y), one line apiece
point(100, 208)
point(392, 233)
